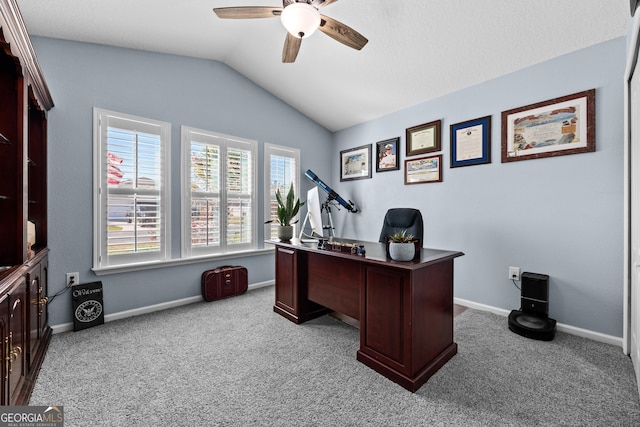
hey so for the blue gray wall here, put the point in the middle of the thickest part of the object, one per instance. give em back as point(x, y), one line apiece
point(183, 91)
point(559, 216)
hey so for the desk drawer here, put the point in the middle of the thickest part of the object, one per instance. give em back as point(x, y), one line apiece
point(335, 283)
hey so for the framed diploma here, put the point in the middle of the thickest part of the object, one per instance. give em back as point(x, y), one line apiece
point(471, 142)
point(423, 170)
point(423, 138)
point(560, 126)
point(355, 163)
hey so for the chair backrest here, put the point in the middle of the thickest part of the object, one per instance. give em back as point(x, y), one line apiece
point(399, 219)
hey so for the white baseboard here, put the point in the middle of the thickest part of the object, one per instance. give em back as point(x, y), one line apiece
point(585, 333)
point(596, 336)
point(65, 327)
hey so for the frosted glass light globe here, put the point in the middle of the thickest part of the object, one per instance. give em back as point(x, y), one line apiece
point(300, 19)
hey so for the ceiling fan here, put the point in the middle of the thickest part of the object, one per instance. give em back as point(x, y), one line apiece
point(301, 18)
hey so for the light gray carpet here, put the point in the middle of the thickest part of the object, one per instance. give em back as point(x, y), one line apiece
point(237, 363)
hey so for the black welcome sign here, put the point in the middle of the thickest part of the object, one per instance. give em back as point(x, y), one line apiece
point(88, 310)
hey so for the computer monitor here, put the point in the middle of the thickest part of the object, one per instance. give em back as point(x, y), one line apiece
point(314, 214)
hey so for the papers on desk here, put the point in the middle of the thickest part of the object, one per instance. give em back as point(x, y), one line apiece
point(308, 240)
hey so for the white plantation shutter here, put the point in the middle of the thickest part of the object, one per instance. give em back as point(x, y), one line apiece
point(219, 197)
point(132, 189)
point(205, 194)
point(240, 192)
point(281, 170)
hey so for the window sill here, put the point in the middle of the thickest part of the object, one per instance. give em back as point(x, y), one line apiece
point(124, 268)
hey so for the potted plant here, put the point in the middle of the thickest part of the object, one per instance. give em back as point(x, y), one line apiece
point(402, 246)
point(287, 210)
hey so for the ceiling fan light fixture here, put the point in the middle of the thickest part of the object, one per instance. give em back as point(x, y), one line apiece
point(300, 19)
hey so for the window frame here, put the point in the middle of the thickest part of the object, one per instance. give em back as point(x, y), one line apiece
point(294, 153)
point(101, 122)
point(225, 142)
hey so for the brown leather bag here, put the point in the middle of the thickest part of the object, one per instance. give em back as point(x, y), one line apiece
point(224, 282)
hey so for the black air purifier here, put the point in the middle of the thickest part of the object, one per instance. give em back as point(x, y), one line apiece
point(532, 320)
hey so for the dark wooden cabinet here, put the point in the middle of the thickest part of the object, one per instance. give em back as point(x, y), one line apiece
point(24, 102)
point(24, 331)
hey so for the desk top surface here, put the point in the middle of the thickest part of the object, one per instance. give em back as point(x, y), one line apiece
point(375, 252)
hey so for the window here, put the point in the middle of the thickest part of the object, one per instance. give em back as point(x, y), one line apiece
point(281, 170)
point(219, 199)
point(131, 191)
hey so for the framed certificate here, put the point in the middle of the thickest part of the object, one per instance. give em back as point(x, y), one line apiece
point(565, 125)
point(355, 163)
point(423, 170)
point(423, 138)
point(471, 142)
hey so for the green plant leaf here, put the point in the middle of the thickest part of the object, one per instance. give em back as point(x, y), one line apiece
point(401, 237)
point(287, 208)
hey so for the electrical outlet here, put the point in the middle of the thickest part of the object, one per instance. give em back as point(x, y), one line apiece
point(514, 273)
point(73, 278)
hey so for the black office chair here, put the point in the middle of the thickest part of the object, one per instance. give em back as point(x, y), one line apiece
point(399, 219)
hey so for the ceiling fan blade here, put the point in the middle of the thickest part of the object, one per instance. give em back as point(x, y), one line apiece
point(247, 12)
point(342, 33)
point(322, 3)
point(291, 48)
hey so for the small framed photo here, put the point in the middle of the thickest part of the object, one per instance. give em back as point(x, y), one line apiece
point(355, 163)
point(560, 126)
point(423, 170)
point(471, 142)
point(423, 138)
point(388, 155)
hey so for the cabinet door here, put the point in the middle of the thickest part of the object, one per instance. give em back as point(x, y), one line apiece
point(286, 294)
point(384, 332)
point(16, 347)
point(43, 318)
point(291, 287)
point(4, 353)
point(34, 280)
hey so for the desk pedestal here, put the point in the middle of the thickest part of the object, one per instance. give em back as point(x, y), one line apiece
point(405, 309)
point(406, 328)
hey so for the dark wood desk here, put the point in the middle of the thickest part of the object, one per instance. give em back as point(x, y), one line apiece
point(405, 309)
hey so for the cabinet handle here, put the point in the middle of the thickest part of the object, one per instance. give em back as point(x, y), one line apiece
point(43, 301)
point(12, 354)
point(7, 358)
point(15, 353)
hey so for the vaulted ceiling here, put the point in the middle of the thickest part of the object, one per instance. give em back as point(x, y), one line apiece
point(417, 50)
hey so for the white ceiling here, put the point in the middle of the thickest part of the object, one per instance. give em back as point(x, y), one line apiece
point(418, 49)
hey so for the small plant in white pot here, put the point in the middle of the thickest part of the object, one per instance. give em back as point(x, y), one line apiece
point(402, 246)
point(287, 210)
